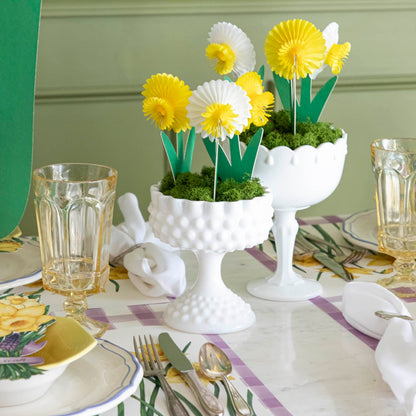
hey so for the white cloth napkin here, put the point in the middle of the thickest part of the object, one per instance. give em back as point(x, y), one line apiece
point(153, 267)
point(359, 302)
point(395, 354)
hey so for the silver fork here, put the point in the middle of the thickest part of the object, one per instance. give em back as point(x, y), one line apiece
point(152, 368)
point(353, 257)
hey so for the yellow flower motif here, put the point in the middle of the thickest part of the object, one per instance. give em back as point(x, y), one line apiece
point(294, 38)
point(166, 98)
point(224, 55)
point(173, 375)
point(336, 56)
point(261, 102)
point(20, 314)
point(380, 260)
point(19, 302)
point(219, 115)
point(118, 273)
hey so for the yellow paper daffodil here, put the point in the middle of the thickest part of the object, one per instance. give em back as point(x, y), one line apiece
point(166, 98)
point(336, 56)
point(231, 49)
point(294, 47)
point(261, 101)
point(219, 109)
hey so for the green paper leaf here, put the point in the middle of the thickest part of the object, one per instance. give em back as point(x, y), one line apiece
point(177, 162)
point(171, 153)
point(321, 98)
point(237, 167)
point(311, 109)
point(19, 22)
point(283, 88)
point(261, 73)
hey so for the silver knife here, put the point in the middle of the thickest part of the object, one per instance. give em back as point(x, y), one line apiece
point(178, 359)
point(323, 258)
point(331, 264)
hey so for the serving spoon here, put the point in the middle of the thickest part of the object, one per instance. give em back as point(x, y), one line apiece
point(215, 365)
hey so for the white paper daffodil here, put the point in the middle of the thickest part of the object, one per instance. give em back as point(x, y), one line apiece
point(219, 109)
point(331, 36)
point(231, 48)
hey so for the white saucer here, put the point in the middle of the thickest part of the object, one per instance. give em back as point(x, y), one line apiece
point(22, 266)
point(361, 229)
point(95, 383)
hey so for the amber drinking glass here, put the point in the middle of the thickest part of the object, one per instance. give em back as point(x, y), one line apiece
point(394, 167)
point(74, 210)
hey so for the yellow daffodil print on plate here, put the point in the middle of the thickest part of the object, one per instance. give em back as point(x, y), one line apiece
point(21, 314)
point(23, 322)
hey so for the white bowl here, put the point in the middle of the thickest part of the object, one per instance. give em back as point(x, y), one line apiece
point(67, 341)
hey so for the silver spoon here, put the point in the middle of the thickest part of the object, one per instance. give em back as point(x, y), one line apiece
point(389, 315)
point(215, 365)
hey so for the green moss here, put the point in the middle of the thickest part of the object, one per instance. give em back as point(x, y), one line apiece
point(278, 132)
point(199, 187)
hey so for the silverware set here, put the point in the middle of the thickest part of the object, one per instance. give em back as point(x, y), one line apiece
point(333, 258)
point(214, 364)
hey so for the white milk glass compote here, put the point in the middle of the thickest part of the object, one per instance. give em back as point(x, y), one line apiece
point(298, 179)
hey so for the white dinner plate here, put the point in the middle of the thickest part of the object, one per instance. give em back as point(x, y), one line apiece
point(95, 383)
point(361, 229)
point(22, 266)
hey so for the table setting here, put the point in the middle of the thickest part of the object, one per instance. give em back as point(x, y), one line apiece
point(226, 301)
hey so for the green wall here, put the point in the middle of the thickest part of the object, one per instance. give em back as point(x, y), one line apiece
point(95, 55)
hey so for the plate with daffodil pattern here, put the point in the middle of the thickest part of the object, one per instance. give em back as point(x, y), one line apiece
point(361, 229)
point(20, 262)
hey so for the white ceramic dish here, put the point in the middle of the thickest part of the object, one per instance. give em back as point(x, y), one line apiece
point(66, 342)
point(21, 267)
point(95, 383)
point(361, 229)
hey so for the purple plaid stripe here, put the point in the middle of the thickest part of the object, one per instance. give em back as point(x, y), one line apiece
point(327, 219)
point(145, 315)
point(263, 258)
point(252, 381)
point(322, 303)
point(336, 314)
point(99, 315)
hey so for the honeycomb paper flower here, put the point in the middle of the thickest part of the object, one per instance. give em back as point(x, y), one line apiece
point(335, 54)
point(231, 48)
point(219, 109)
point(166, 98)
point(294, 38)
point(261, 102)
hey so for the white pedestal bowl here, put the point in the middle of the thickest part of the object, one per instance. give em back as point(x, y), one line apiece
point(210, 229)
point(298, 179)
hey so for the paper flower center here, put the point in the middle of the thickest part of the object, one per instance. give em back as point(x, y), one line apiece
point(224, 55)
point(160, 111)
point(219, 116)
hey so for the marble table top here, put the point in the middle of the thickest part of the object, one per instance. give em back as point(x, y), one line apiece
point(299, 358)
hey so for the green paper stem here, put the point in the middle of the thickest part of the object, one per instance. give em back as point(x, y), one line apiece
point(177, 161)
point(261, 73)
point(309, 108)
point(236, 167)
point(215, 169)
